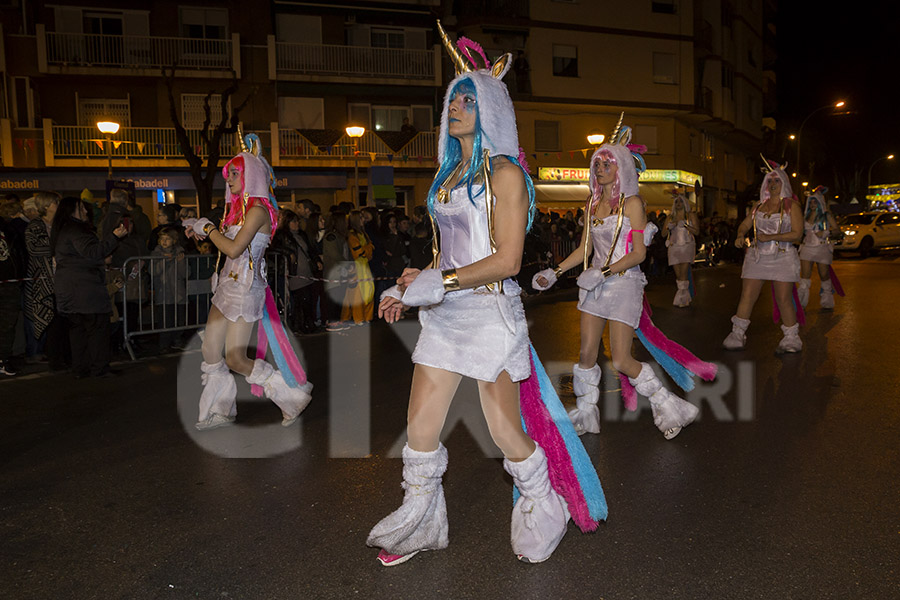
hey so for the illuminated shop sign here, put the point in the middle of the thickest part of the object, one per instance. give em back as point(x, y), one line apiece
point(570, 175)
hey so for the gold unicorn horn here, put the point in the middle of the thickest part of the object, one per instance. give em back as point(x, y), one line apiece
point(766, 163)
point(240, 133)
point(459, 63)
point(618, 127)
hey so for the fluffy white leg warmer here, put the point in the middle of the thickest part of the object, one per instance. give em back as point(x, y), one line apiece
point(683, 295)
point(421, 521)
point(290, 400)
point(670, 413)
point(217, 402)
point(826, 295)
point(737, 339)
point(791, 341)
point(803, 291)
point(540, 515)
point(586, 416)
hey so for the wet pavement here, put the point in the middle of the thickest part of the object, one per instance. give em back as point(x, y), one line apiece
point(786, 488)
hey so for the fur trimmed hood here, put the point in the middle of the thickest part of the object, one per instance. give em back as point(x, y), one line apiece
point(627, 171)
point(778, 172)
point(258, 176)
point(495, 112)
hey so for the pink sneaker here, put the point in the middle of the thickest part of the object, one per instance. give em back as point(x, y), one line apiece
point(389, 560)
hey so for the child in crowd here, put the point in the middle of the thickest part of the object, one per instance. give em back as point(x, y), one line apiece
point(167, 285)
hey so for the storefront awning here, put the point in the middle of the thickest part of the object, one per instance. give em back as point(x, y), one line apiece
point(566, 196)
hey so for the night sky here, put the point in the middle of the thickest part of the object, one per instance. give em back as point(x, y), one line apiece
point(851, 54)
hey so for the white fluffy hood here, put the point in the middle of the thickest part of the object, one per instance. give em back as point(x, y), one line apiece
point(786, 191)
point(627, 171)
point(495, 112)
point(257, 177)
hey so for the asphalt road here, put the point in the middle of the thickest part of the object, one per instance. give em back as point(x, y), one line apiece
point(786, 487)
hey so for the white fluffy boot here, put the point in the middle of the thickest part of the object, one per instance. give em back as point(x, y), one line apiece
point(683, 295)
point(737, 339)
point(670, 413)
point(826, 295)
point(421, 521)
point(540, 516)
point(586, 416)
point(803, 291)
point(217, 402)
point(791, 341)
point(290, 400)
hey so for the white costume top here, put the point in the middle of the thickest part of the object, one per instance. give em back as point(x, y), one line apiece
point(815, 246)
point(682, 248)
point(772, 260)
point(478, 332)
point(241, 291)
point(620, 296)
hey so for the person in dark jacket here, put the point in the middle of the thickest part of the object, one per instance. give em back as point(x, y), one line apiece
point(80, 283)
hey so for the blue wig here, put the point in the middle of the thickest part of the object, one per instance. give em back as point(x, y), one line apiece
point(453, 155)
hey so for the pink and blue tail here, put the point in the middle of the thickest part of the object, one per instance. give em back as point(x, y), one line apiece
point(835, 282)
point(798, 308)
point(571, 472)
point(271, 328)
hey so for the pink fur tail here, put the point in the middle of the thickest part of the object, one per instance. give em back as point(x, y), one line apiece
point(629, 395)
point(801, 314)
point(684, 357)
point(835, 282)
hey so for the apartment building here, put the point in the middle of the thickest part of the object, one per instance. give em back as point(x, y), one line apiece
point(310, 69)
point(687, 73)
point(695, 79)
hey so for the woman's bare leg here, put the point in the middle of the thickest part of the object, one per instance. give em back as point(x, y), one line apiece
point(591, 337)
point(784, 299)
point(430, 396)
point(749, 295)
point(620, 341)
point(500, 403)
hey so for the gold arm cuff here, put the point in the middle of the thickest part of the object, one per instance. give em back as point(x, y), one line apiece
point(451, 280)
point(208, 228)
point(557, 270)
point(606, 271)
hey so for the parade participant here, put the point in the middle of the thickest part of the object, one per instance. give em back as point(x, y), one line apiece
point(473, 325)
point(818, 226)
point(776, 223)
point(242, 297)
point(612, 290)
point(681, 227)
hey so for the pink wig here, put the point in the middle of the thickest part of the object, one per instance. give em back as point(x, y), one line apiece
point(596, 188)
point(234, 214)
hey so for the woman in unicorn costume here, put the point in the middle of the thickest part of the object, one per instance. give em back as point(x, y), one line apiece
point(777, 224)
point(818, 225)
point(473, 325)
point(612, 290)
point(681, 227)
point(242, 297)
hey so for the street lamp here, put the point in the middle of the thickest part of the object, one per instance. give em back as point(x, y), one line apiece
point(108, 128)
point(595, 139)
point(876, 161)
point(355, 132)
point(838, 104)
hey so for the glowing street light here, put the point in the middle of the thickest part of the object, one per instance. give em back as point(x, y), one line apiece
point(792, 136)
point(355, 132)
point(108, 128)
point(805, 183)
point(595, 139)
point(876, 161)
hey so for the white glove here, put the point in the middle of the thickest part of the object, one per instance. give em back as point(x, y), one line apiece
point(198, 226)
point(590, 279)
point(392, 292)
point(548, 274)
point(425, 290)
point(188, 223)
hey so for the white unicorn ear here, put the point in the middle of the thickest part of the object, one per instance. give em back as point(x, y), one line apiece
point(501, 66)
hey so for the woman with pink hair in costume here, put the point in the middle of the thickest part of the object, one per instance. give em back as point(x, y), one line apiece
point(776, 224)
point(612, 291)
point(816, 249)
point(242, 298)
point(681, 227)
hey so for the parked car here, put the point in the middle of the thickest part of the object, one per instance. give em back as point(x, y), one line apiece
point(869, 232)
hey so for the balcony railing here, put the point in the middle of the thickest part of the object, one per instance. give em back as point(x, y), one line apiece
point(295, 145)
point(137, 52)
point(134, 142)
point(353, 61)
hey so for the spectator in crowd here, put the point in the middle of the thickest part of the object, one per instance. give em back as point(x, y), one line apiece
point(11, 267)
point(15, 222)
point(338, 267)
point(200, 270)
point(30, 209)
point(359, 302)
point(315, 233)
point(394, 248)
point(408, 128)
point(80, 283)
point(420, 254)
point(378, 262)
point(140, 222)
point(40, 305)
point(168, 286)
point(295, 247)
point(167, 216)
point(217, 213)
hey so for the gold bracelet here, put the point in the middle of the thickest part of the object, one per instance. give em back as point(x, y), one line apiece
point(451, 280)
point(606, 272)
point(557, 270)
point(208, 229)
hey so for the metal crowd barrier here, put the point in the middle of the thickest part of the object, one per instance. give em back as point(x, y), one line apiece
point(164, 296)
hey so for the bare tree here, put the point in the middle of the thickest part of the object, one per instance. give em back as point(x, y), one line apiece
point(204, 173)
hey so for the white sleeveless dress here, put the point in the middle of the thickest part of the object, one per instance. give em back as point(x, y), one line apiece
point(815, 248)
point(478, 333)
point(682, 248)
point(241, 291)
point(620, 297)
point(772, 261)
